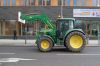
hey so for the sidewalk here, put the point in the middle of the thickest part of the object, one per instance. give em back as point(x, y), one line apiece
point(93, 43)
point(21, 42)
point(18, 42)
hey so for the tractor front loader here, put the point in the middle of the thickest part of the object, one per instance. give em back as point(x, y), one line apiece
point(62, 32)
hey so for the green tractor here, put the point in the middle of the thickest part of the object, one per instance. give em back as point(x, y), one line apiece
point(62, 32)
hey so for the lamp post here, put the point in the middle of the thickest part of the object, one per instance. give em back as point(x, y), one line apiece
point(61, 8)
point(98, 27)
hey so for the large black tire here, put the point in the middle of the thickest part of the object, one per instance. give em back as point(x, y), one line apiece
point(45, 44)
point(75, 41)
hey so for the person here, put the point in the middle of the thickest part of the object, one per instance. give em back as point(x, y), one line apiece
point(15, 37)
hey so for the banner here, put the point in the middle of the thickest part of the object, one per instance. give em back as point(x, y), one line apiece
point(86, 12)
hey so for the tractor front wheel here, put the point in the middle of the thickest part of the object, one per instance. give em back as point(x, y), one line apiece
point(75, 41)
point(45, 44)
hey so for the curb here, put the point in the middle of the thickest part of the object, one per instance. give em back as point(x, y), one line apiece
point(34, 45)
point(10, 42)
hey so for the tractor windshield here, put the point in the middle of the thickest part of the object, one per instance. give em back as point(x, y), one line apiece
point(64, 24)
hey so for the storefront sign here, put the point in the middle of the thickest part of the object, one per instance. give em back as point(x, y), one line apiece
point(86, 12)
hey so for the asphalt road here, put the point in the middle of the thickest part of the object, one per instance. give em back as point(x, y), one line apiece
point(30, 56)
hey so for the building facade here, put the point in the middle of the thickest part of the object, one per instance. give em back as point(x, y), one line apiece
point(7, 26)
point(49, 2)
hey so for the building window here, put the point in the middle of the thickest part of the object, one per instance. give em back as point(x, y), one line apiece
point(44, 2)
point(8, 3)
point(40, 2)
point(59, 2)
point(75, 2)
point(93, 2)
point(28, 2)
point(48, 2)
point(13, 2)
point(67, 3)
point(32, 2)
point(9, 27)
point(5, 2)
point(79, 2)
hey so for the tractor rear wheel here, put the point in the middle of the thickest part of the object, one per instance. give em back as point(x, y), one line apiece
point(75, 41)
point(45, 44)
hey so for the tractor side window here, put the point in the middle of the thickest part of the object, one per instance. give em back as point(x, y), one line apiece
point(65, 25)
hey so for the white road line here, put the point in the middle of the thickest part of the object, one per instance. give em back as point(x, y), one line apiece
point(8, 53)
point(79, 54)
point(3, 60)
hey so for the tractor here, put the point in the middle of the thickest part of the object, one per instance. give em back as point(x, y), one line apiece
point(61, 32)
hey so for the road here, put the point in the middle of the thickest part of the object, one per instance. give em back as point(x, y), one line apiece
point(30, 56)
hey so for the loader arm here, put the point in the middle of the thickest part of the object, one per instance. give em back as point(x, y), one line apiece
point(31, 18)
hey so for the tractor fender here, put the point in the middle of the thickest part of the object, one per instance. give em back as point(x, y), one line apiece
point(72, 30)
point(48, 37)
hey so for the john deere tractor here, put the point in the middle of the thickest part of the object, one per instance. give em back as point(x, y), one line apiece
point(62, 32)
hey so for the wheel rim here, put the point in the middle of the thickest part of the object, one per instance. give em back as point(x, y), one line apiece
point(76, 41)
point(45, 44)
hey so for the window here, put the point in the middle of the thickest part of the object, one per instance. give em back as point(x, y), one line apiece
point(59, 2)
point(75, 2)
point(48, 2)
point(66, 2)
point(32, 2)
point(13, 2)
point(8, 3)
point(44, 2)
point(94, 2)
point(5, 2)
point(9, 27)
point(28, 2)
point(40, 2)
point(79, 2)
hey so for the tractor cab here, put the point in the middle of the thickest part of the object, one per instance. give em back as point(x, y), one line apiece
point(63, 25)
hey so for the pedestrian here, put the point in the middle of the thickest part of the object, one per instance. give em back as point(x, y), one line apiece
point(14, 34)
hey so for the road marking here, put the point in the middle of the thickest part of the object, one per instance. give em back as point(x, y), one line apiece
point(8, 53)
point(80, 54)
point(13, 59)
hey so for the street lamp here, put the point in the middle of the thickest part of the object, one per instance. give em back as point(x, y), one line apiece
point(61, 8)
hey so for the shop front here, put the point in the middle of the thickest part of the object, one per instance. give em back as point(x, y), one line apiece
point(7, 28)
point(90, 18)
